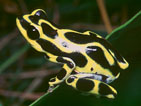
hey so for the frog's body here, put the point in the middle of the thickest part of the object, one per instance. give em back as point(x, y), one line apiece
point(93, 59)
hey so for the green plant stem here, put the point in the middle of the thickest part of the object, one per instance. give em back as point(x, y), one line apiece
point(38, 100)
point(124, 25)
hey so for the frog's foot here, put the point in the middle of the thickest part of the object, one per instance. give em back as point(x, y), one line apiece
point(52, 88)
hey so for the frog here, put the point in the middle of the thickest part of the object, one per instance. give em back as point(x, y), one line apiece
point(89, 62)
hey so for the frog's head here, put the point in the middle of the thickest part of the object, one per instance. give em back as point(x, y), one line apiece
point(36, 28)
point(28, 24)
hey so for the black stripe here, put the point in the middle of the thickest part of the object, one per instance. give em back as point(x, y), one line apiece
point(61, 74)
point(108, 46)
point(78, 58)
point(60, 59)
point(24, 23)
point(78, 38)
point(49, 47)
point(34, 19)
point(96, 53)
point(49, 31)
point(105, 89)
point(83, 39)
point(115, 69)
point(117, 55)
point(85, 85)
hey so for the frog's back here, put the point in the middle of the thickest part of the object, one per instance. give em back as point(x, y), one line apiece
point(103, 58)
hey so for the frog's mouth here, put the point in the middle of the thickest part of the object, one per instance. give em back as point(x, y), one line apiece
point(95, 76)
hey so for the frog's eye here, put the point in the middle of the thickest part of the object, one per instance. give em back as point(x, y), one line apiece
point(33, 33)
point(41, 14)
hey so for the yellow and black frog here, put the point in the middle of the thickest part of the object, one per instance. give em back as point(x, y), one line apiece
point(95, 62)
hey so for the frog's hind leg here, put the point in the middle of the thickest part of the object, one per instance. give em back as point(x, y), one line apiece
point(91, 86)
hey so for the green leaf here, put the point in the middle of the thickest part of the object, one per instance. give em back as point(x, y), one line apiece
point(35, 103)
point(127, 40)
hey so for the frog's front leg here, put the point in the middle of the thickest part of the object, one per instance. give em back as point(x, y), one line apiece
point(91, 86)
point(68, 67)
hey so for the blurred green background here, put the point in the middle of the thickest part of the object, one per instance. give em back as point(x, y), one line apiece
point(24, 73)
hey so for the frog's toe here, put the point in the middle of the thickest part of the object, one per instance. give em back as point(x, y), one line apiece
point(50, 89)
